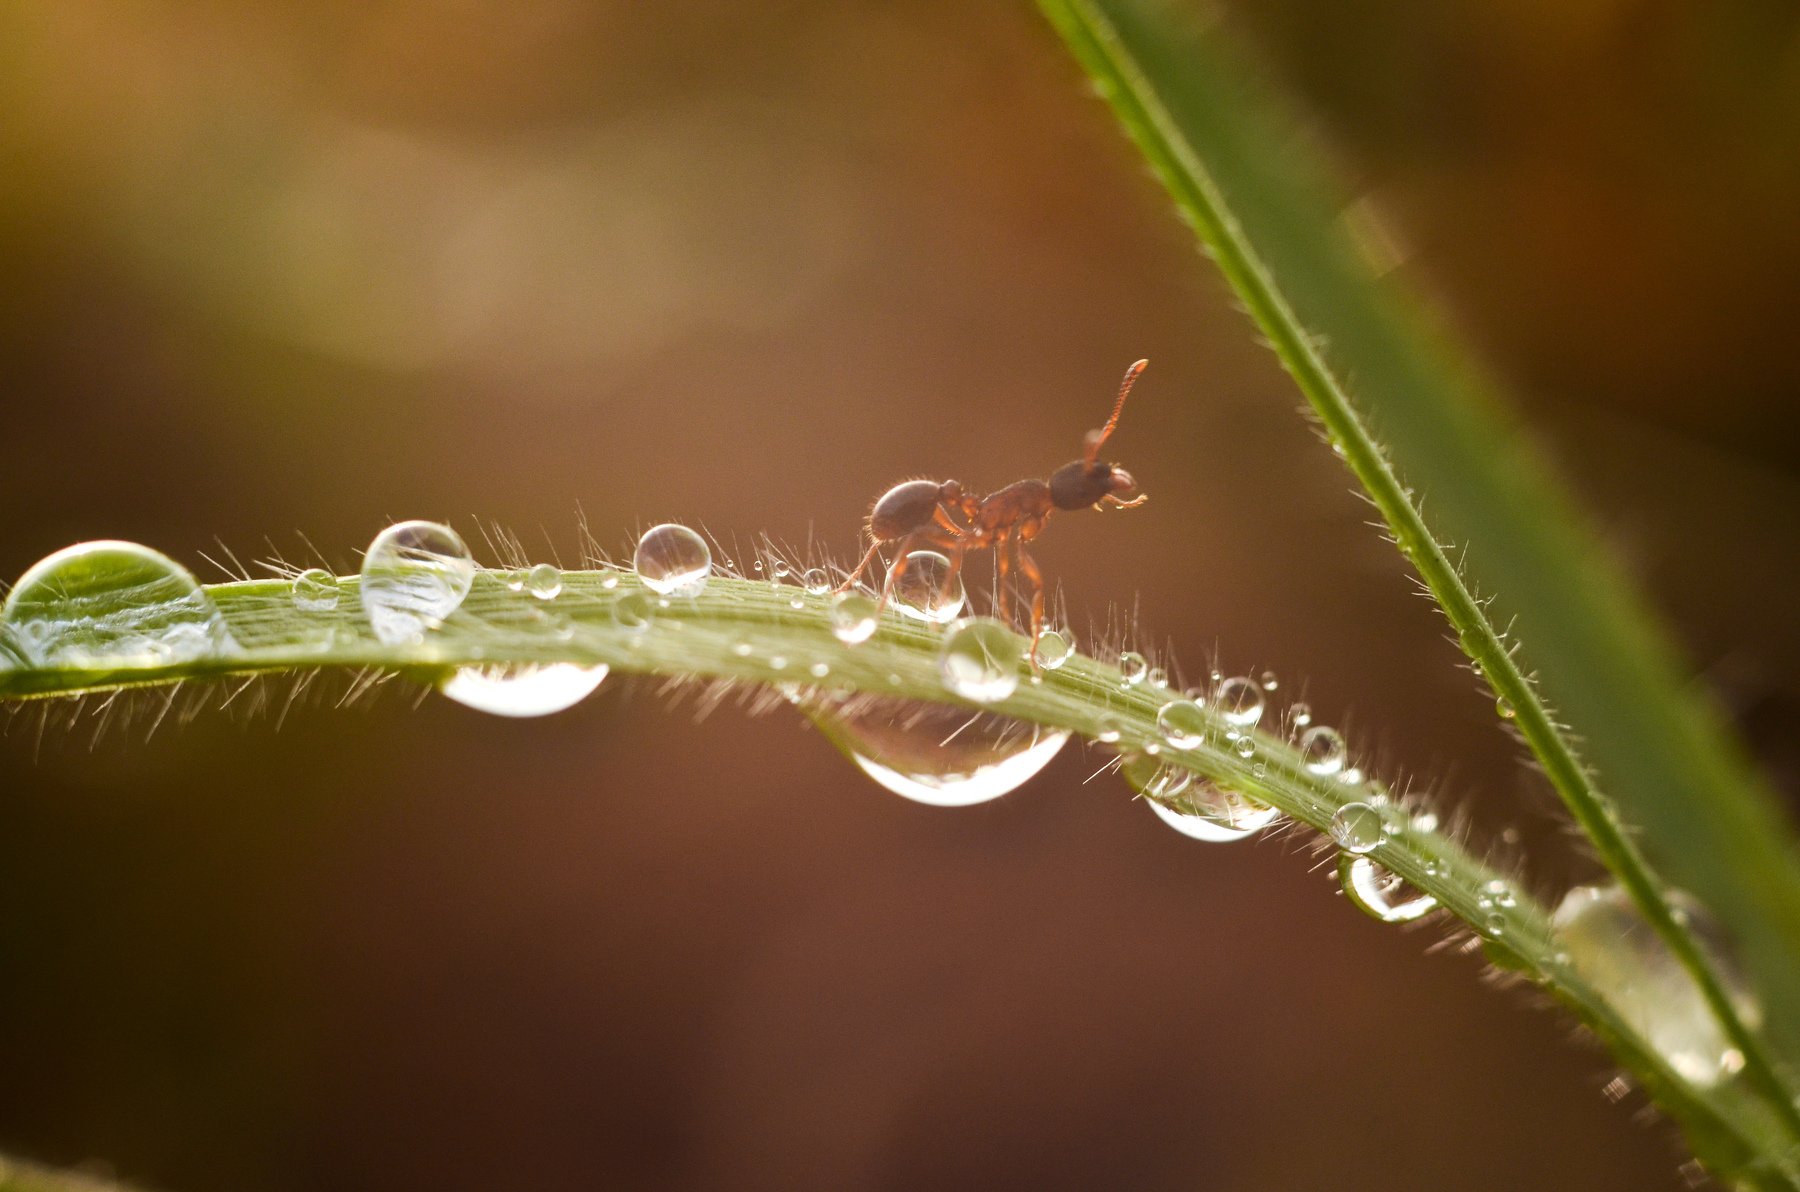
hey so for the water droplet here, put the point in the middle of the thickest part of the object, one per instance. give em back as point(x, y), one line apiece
point(815, 581)
point(414, 575)
point(1133, 666)
point(1106, 729)
point(1245, 746)
point(778, 570)
point(112, 604)
point(1182, 723)
point(514, 580)
point(980, 660)
point(523, 689)
point(1191, 805)
point(1351, 777)
point(819, 670)
point(1158, 677)
point(544, 581)
point(778, 662)
point(609, 579)
point(742, 649)
point(1504, 708)
point(926, 592)
point(1054, 648)
point(1269, 680)
point(634, 611)
point(672, 560)
point(1322, 748)
point(1301, 715)
point(940, 754)
point(853, 617)
point(1380, 893)
point(1497, 892)
point(1240, 700)
point(315, 591)
point(1357, 828)
point(1614, 949)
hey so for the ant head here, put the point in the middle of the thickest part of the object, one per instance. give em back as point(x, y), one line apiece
point(950, 491)
point(1087, 481)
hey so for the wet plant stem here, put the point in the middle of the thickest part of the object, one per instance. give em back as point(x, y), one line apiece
point(751, 631)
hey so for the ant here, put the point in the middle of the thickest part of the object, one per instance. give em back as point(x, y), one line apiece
point(917, 513)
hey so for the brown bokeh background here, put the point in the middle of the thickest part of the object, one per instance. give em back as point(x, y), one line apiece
point(281, 269)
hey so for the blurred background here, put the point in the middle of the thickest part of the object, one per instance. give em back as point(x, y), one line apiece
point(273, 270)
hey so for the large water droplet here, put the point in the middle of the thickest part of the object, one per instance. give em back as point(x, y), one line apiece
point(414, 575)
point(1193, 806)
point(523, 689)
point(1182, 723)
point(934, 753)
point(112, 604)
point(1322, 749)
point(1380, 893)
point(672, 560)
point(980, 660)
point(853, 617)
point(925, 591)
point(316, 591)
point(1614, 949)
point(1240, 701)
point(544, 581)
point(1054, 648)
point(1357, 828)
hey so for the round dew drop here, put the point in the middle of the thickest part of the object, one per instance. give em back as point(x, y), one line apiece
point(926, 592)
point(414, 575)
point(853, 617)
point(1133, 667)
point(672, 560)
point(1055, 648)
point(523, 689)
point(815, 581)
point(544, 581)
point(1241, 701)
point(980, 660)
point(1357, 828)
point(634, 611)
point(1182, 723)
point(1322, 747)
point(315, 591)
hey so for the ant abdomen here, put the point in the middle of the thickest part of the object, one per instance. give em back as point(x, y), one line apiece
point(908, 507)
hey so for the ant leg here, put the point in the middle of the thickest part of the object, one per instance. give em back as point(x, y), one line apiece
point(1035, 579)
point(1002, 585)
point(861, 567)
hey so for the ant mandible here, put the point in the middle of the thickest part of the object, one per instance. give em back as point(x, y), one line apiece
point(917, 514)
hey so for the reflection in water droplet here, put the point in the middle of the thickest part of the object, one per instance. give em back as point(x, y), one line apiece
point(933, 753)
point(112, 604)
point(1240, 700)
point(544, 581)
point(1380, 893)
point(514, 580)
point(852, 617)
point(414, 575)
point(1269, 680)
point(1191, 805)
point(315, 591)
point(815, 581)
point(523, 689)
point(1322, 749)
point(1357, 828)
point(1182, 723)
point(634, 611)
point(672, 560)
point(980, 660)
point(1054, 648)
point(925, 591)
point(1133, 667)
point(1301, 715)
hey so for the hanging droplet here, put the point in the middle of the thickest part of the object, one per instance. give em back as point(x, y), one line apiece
point(853, 617)
point(926, 592)
point(523, 689)
point(1133, 666)
point(1106, 729)
point(1182, 723)
point(315, 591)
point(1191, 805)
point(1503, 707)
point(112, 604)
point(544, 581)
point(1357, 828)
point(414, 575)
point(940, 754)
point(1380, 893)
point(815, 581)
point(1240, 701)
point(1322, 749)
point(672, 560)
point(1054, 648)
point(634, 611)
point(980, 660)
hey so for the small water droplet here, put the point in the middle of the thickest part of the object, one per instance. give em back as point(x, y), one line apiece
point(414, 575)
point(1106, 728)
point(609, 580)
point(1269, 680)
point(778, 662)
point(1352, 776)
point(1494, 924)
point(1503, 708)
point(1245, 746)
point(819, 670)
point(672, 560)
point(1054, 648)
point(1322, 749)
point(1182, 723)
point(523, 689)
point(940, 754)
point(1300, 715)
point(514, 580)
point(544, 581)
point(742, 649)
point(633, 611)
point(853, 617)
point(1357, 828)
point(926, 592)
point(1425, 821)
point(815, 581)
point(1380, 893)
point(980, 660)
point(1158, 677)
point(1240, 701)
point(112, 604)
point(779, 570)
point(315, 591)
point(1133, 667)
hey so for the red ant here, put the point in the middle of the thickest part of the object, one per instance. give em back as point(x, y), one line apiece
point(916, 514)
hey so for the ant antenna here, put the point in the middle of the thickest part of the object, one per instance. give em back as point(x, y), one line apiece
point(1097, 438)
